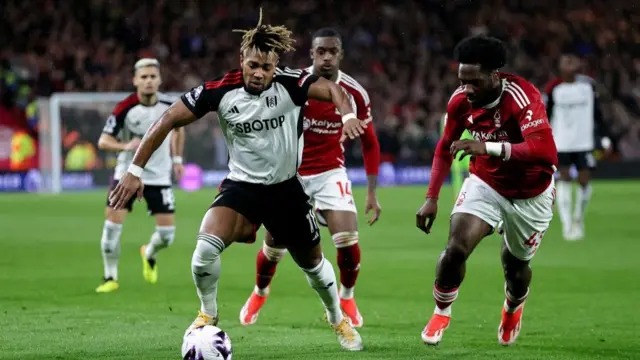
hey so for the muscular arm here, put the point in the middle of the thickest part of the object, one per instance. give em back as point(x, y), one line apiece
point(442, 158)
point(325, 90)
point(176, 116)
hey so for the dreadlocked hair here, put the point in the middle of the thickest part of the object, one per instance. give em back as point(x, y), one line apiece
point(267, 38)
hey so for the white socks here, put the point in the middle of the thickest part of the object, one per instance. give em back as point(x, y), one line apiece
point(563, 191)
point(110, 245)
point(346, 293)
point(162, 238)
point(583, 195)
point(322, 279)
point(205, 266)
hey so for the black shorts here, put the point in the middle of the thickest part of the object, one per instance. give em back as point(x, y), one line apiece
point(284, 210)
point(159, 199)
point(581, 159)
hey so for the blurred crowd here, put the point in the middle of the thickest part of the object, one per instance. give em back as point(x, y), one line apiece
point(400, 51)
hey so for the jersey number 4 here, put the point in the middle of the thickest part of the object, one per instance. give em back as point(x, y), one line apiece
point(534, 240)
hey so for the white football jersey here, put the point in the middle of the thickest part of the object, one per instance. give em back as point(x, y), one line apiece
point(572, 110)
point(132, 119)
point(263, 132)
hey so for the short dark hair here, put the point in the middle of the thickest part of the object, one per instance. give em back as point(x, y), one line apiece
point(488, 52)
point(327, 32)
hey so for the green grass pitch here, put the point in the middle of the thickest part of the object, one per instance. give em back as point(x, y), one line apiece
point(583, 303)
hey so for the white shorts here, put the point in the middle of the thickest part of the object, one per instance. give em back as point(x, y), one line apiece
point(525, 220)
point(330, 190)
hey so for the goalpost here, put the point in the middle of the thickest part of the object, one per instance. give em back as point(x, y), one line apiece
point(71, 123)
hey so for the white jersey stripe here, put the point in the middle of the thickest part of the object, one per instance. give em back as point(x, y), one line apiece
point(356, 85)
point(289, 72)
point(360, 90)
point(458, 91)
point(518, 90)
point(515, 97)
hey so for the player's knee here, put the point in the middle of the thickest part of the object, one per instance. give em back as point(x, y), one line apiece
point(514, 268)
point(345, 239)
point(208, 250)
point(166, 234)
point(456, 252)
point(273, 254)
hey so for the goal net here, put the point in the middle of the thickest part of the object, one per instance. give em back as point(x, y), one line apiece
point(70, 125)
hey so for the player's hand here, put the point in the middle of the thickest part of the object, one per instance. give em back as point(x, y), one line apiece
point(126, 188)
point(468, 147)
point(426, 215)
point(352, 129)
point(178, 171)
point(133, 144)
point(373, 205)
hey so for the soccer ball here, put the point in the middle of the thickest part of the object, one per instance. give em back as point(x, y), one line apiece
point(206, 343)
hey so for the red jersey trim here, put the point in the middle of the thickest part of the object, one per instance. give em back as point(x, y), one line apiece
point(231, 78)
point(126, 104)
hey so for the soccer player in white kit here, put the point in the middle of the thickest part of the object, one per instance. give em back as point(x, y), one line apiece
point(124, 128)
point(259, 109)
point(574, 112)
point(326, 182)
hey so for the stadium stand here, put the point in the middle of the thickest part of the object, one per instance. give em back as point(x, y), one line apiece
point(400, 51)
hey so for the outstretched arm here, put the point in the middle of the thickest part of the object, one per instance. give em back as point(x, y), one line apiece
point(442, 160)
point(325, 90)
point(443, 157)
point(191, 106)
point(176, 116)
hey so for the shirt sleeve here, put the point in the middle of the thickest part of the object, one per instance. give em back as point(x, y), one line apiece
point(116, 121)
point(202, 99)
point(533, 118)
point(296, 82)
point(113, 125)
point(538, 144)
point(369, 140)
point(442, 158)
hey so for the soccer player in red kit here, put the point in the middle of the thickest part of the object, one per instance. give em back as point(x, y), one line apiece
point(513, 159)
point(325, 179)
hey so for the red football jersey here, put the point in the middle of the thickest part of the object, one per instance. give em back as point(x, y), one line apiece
point(323, 127)
point(519, 112)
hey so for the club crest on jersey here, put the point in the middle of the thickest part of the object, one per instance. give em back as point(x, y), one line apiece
point(197, 91)
point(496, 118)
point(306, 124)
point(272, 101)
